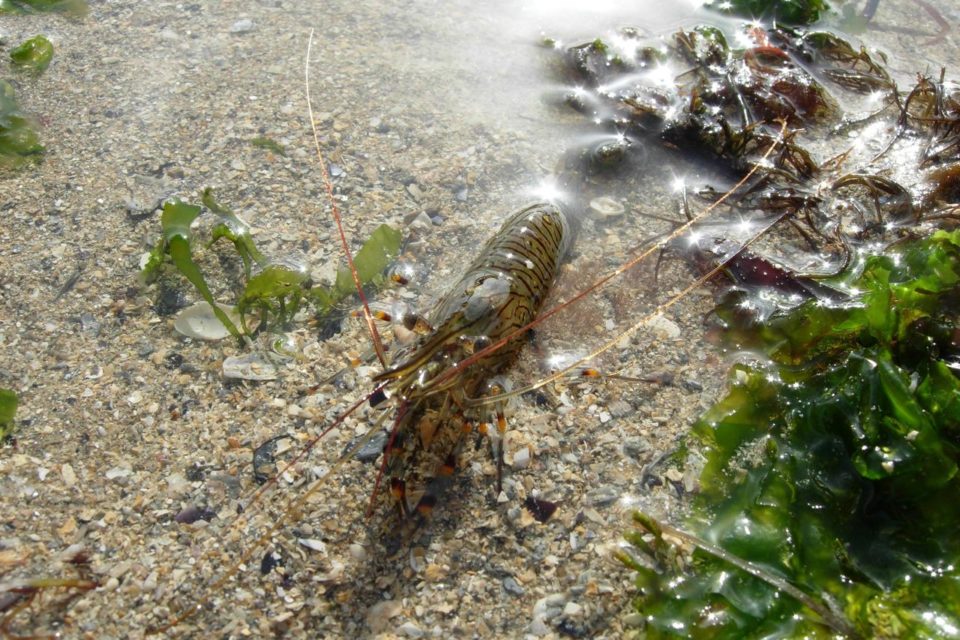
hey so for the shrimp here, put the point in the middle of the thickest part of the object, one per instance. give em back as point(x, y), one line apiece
point(500, 294)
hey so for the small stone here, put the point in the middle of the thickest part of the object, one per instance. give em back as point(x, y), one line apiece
point(117, 472)
point(89, 324)
point(633, 447)
point(664, 328)
point(410, 630)
point(510, 585)
point(418, 559)
point(414, 191)
point(242, 26)
point(673, 475)
point(421, 222)
point(192, 514)
point(379, 615)
point(634, 620)
point(602, 496)
point(572, 610)
point(605, 207)
point(521, 458)
point(539, 628)
point(68, 475)
point(313, 544)
point(620, 408)
point(68, 527)
point(594, 516)
point(357, 552)
point(177, 484)
point(372, 448)
point(250, 366)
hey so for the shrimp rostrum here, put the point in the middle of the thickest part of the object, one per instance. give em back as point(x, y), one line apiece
point(435, 380)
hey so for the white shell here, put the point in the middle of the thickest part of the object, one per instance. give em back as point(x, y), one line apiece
point(605, 207)
point(198, 321)
point(250, 366)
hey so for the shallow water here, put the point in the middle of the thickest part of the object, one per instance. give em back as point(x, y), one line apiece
point(437, 107)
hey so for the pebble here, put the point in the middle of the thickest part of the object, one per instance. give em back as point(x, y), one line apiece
point(546, 609)
point(605, 207)
point(242, 26)
point(602, 496)
point(250, 366)
point(510, 585)
point(521, 458)
point(372, 448)
point(664, 327)
point(634, 620)
point(117, 472)
point(89, 324)
point(410, 630)
point(68, 475)
point(620, 408)
point(422, 222)
point(414, 191)
point(379, 615)
point(633, 447)
point(313, 544)
point(358, 552)
point(192, 514)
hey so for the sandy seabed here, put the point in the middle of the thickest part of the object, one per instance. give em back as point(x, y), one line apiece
point(436, 120)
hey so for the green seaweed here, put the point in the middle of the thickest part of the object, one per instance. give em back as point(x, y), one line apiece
point(831, 470)
point(19, 142)
point(269, 144)
point(8, 409)
point(73, 8)
point(373, 258)
point(33, 55)
point(793, 12)
point(175, 243)
point(235, 230)
point(376, 254)
point(275, 291)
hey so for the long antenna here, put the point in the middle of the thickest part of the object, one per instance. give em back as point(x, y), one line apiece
point(335, 211)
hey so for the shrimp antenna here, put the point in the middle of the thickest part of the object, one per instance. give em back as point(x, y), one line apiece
point(335, 212)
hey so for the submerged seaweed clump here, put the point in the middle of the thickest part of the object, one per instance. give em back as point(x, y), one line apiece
point(33, 55)
point(826, 505)
point(831, 464)
point(826, 145)
point(19, 142)
point(785, 11)
point(8, 409)
point(70, 7)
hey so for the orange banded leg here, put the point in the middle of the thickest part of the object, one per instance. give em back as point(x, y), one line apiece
point(496, 387)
